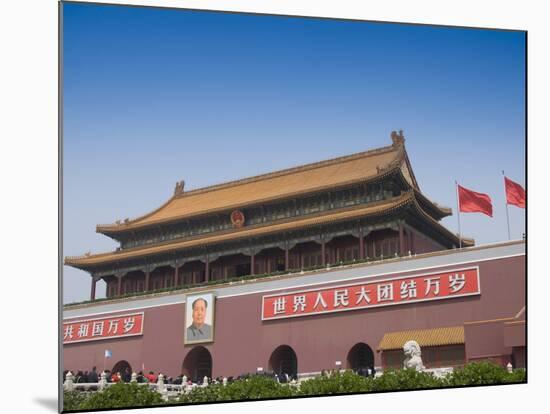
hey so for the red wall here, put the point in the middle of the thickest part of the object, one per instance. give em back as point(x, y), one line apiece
point(244, 342)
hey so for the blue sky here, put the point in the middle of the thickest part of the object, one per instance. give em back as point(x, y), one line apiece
point(152, 96)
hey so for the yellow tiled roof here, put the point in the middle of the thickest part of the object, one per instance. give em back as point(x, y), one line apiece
point(280, 184)
point(426, 337)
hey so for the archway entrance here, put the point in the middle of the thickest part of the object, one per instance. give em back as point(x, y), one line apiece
point(283, 361)
point(197, 364)
point(124, 368)
point(360, 357)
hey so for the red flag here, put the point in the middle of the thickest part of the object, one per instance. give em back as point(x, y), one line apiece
point(471, 202)
point(515, 194)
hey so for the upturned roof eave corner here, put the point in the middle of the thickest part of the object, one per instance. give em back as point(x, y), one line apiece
point(127, 224)
point(447, 210)
point(74, 261)
point(443, 210)
point(468, 241)
point(398, 142)
point(409, 166)
point(455, 237)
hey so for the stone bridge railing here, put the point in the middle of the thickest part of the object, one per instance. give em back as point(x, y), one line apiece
point(172, 391)
point(167, 391)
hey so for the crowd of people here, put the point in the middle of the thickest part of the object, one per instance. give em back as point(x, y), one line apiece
point(366, 371)
point(90, 377)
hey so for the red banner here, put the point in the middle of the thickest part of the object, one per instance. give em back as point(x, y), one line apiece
point(394, 291)
point(103, 328)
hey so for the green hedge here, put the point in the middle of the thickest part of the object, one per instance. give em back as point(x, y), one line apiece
point(252, 388)
point(262, 387)
point(484, 373)
point(73, 400)
point(338, 383)
point(407, 379)
point(119, 395)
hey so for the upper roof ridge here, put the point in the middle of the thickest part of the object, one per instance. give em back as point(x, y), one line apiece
point(290, 170)
point(395, 155)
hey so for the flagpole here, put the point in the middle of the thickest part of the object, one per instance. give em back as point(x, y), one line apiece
point(458, 215)
point(506, 201)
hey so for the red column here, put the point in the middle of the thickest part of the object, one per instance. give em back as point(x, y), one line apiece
point(287, 258)
point(267, 267)
point(147, 280)
point(401, 239)
point(361, 245)
point(119, 289)
point(323, 252)
point(207, 270)
point(252, 263)
point(92, 293)
point(176, 275)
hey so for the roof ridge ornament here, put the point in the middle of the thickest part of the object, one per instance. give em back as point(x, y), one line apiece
point(180, 185)
point(397, 138)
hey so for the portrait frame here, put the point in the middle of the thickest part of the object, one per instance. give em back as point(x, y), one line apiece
point(209, 319)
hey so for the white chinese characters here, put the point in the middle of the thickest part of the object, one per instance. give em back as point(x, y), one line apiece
point(68, 332)
point(385, 292)
point(299, 303)
point(408, 289)
point(376, 293)
point(83, 330)
point(97, 328)
point(279, 306)
point(128, 324)
point(113, 327)
point(456, 282)
point(320, 301)
point(341, 298)
point(432, 282)
point(363, 295)
point(103, 328)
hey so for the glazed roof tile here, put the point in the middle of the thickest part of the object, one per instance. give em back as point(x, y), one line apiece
point(272, 186)
point(426, 337)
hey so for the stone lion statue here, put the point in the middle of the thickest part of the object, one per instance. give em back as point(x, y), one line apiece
point(412, 356)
